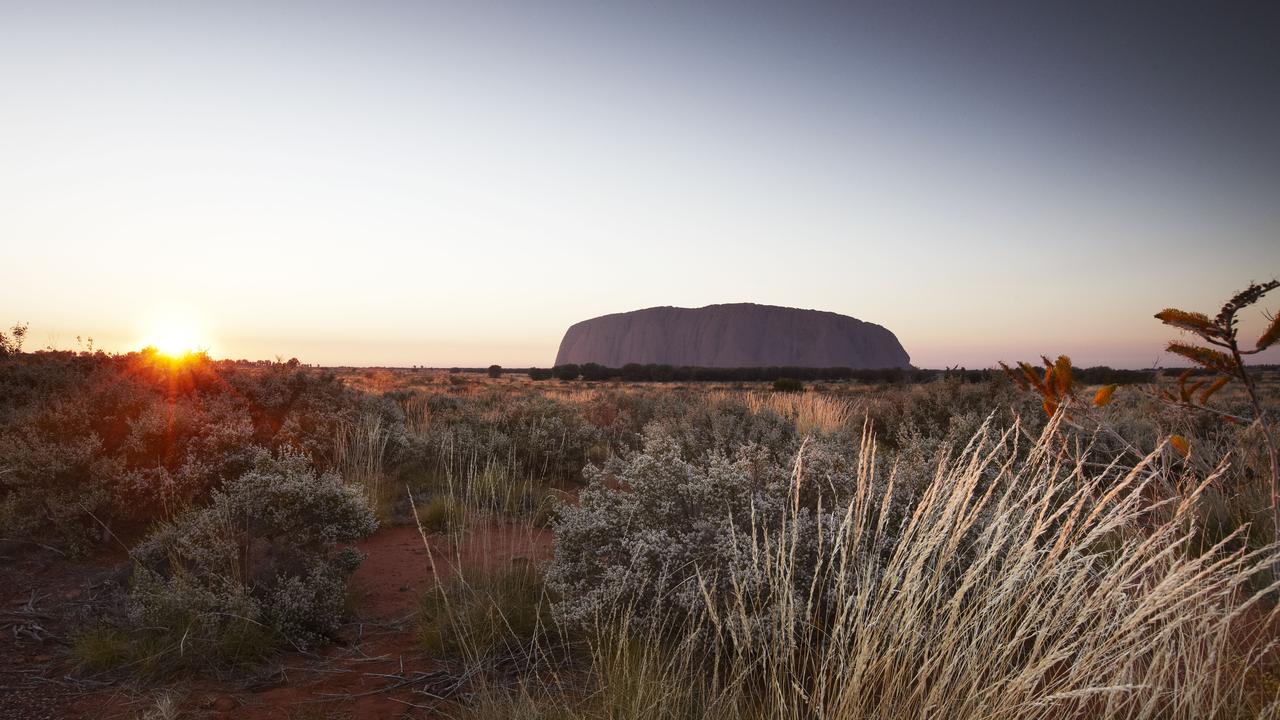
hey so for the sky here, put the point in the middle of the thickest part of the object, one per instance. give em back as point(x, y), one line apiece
point(440, 184)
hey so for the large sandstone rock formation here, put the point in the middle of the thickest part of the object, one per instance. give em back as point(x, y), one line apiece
point(736, 335)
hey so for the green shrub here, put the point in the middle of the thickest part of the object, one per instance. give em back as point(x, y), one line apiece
point(566, 372)
point(656, 532)
point(595, 372)
point(788, 385)
point(442, 514)
point(101, 647)
point(259, 566)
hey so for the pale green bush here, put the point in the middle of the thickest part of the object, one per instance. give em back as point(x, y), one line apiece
point(658, 533)
point(265, 552)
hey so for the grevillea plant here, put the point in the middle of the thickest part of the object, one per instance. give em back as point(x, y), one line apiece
point(1220, 352)
point(1056, 385)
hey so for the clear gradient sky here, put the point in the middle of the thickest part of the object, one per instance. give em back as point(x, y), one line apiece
point(416, 183)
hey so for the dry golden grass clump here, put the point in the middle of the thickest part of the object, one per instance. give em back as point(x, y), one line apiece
point(417, 414)
point(1017, 584)
point(1014, 590)
point(812, 412)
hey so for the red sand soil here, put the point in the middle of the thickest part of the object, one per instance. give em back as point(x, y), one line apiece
point(381, 673)
point(374, 670)
point(39, 588)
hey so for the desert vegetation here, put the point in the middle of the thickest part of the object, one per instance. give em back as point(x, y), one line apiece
point(592, 546)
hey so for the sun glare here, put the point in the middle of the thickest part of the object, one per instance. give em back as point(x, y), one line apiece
point(175, 334)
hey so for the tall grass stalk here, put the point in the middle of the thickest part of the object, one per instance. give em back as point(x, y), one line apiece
point(487, 605)
point(417, 414)
point(359, 449)
point(487, 481)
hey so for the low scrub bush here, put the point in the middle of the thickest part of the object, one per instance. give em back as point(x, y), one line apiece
point(788, 385)
point(658, 534)
point(259, 566)
point(722, 426)
point(90, 442)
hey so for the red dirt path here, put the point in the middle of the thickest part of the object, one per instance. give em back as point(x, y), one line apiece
point(373, 670)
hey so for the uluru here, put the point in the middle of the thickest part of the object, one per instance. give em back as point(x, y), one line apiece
point(735, 335)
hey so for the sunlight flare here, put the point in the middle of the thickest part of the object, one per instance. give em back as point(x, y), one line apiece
point(175, 333)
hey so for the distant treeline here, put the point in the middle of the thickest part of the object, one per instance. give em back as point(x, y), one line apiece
point(635, 372)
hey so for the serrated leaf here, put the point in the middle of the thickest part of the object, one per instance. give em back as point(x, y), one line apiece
point(1213, 388)
point(1271, 335)
point(1204, 357)
point(1195, 322)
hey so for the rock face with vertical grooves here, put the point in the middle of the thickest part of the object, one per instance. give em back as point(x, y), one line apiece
point(734, 335)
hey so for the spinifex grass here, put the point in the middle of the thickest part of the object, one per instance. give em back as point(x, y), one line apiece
point(486, 604)
point(812, 412)
point(359, 449)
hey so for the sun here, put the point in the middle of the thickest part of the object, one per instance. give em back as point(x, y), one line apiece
point(175, 333)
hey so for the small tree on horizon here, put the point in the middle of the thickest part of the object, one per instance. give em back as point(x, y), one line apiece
point(568, 371)
point(594, 372)
point(11, 344)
